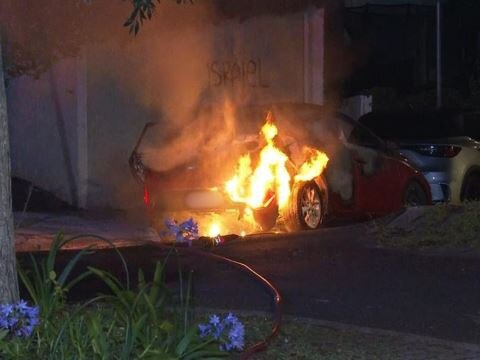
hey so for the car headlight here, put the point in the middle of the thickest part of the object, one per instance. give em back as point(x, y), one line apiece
point(446, 151)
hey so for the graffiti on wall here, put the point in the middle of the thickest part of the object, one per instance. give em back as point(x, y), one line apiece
point(237, 73)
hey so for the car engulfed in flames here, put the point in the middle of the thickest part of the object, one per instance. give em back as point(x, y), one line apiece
point(269, 175)
point(265, 189)
point(258, 194)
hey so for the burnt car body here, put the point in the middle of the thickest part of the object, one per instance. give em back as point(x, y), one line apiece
point(363, 178)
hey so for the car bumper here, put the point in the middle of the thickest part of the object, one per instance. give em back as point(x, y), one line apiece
point(442, 186)
point(195, 200)
point(211, 209)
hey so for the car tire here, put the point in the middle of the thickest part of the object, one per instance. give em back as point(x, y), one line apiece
point(306, 208)
point(471, 189)
point(415, 195)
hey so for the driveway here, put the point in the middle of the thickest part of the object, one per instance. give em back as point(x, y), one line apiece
point(328, 274)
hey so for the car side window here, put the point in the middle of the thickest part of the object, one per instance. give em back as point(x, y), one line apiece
point(363, 137)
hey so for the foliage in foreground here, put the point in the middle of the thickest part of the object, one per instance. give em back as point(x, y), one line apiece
point(124, 324)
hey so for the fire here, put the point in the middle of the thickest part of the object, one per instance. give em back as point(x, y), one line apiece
point(256, 186)
point(214, 230)
point(313, 166)
point(252, 186)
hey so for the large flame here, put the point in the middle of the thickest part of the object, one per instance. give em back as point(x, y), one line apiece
point(313, 166)
point(255, 187)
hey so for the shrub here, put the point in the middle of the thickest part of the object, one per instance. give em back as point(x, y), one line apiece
point(145, 323)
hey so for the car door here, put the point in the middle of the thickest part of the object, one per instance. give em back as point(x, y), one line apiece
point(374, 172)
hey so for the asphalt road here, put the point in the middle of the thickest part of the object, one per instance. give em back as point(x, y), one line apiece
point(330, 275)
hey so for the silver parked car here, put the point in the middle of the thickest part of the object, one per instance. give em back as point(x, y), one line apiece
point(444, 145)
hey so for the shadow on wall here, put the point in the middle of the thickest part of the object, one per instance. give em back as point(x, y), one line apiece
point(28, 197)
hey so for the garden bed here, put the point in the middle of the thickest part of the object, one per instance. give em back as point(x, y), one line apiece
point(441, 226)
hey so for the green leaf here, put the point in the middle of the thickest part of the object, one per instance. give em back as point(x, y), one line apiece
point(71, 264)
point(128, 344)
point(151, 308)
point(111, 281)
point(57, 243)
point(186, 340)
point(141, 279)
point(28, 284)
point(157, 281)
point(79, 278)
point(206, 354)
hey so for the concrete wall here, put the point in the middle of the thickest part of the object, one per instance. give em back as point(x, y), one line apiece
point(260, 60)
point(269, 59)
point(73, 129)
point(115, 120)
point(46, 124)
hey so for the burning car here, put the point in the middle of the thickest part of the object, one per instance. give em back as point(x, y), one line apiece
point(291, 165)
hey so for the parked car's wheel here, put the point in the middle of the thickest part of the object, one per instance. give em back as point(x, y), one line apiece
point(415, 194)
point(306, 210)
point(471, 189)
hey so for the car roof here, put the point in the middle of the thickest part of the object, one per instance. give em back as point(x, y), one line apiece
point(420, 125)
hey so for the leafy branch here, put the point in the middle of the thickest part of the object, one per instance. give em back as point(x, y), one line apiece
point(143, 10)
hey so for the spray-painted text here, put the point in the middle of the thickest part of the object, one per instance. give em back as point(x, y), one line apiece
point(246, 73)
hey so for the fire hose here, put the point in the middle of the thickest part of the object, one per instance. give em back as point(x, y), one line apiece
point(277, 298)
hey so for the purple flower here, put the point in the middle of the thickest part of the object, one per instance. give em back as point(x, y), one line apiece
point(229, 331)
point(6, 310)
point(214, 320)
point(204, 330)
point(187, 231)
point(19, 319)
point(236, 333)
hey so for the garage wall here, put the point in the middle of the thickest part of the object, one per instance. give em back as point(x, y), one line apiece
point(259, 60)
point(269, 59)
point(74, 128)
point(46, 125)
point(115, 120)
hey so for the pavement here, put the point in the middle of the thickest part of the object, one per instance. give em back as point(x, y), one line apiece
point(335, 274)
point(35, 231)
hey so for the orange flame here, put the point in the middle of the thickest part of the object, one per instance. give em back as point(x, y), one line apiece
point(313, 166)
point(270, 176)
point(255, 186)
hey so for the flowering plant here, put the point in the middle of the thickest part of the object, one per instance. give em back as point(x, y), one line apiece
point(186, 231)
point(18, 319)
point(229, 331)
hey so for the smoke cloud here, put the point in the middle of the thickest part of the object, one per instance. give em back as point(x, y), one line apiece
point(163, 71)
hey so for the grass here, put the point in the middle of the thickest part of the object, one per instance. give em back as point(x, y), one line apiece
point(302, 339)
point(442, 225)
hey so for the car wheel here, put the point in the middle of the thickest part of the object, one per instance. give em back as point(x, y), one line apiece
point(415, 195)
point(471, 190)
point(305, 211)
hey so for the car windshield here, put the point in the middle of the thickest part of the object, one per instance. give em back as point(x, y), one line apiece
point(416, 126)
